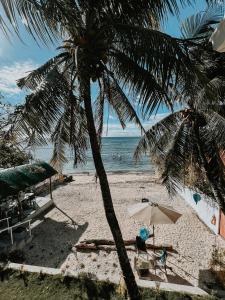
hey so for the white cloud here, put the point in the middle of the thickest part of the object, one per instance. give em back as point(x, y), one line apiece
point(9, 75)
point(115, 129)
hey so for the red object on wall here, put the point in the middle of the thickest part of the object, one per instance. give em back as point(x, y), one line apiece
point(222, 224)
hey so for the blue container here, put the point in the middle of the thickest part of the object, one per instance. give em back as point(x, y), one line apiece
point(144, 233)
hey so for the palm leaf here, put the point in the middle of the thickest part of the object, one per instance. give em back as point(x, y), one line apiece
point(141, 82)
point(70, 131)
point(214, 132)
point(48, 98)
point(201, 24)
point(165, 57)
point(158, 137)
point(39, 75)
point(119, 102)
point(99, 111)
point(176, 158)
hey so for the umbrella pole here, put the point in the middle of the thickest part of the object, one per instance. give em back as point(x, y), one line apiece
point(153, 232)
point(50, 187)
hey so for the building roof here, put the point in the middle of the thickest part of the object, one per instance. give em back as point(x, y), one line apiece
point(19, 178)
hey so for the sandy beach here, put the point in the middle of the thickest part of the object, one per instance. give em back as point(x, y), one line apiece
point(55, 236)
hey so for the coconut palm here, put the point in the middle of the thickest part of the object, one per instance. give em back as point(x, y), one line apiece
point(112, 44)
point(189, 145)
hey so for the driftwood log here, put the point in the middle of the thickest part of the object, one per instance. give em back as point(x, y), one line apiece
point(110, 242)
point(93, 247)
point(109, 245)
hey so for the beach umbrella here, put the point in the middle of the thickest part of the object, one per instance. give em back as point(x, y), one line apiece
point(153, 214)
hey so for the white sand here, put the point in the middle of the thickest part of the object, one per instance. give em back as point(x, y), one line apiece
point(55, 236)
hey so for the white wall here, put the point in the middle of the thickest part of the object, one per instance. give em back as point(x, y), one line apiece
point(205, 208)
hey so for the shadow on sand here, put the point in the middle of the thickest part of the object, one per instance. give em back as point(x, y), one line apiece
point(52, 242)
point(210, 281)
point(174, 278)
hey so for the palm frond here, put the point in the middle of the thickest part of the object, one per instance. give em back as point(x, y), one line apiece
point(39, 75)
point(157, 139)
point(141, 82)
point(70, 133)
point(160, 62)
point(48, 19)
point(142, 11)
point(59, 139)
point(32, 14)
point(48, 98)
point(212, 162)
point(215, 129)
point(200, 25)
point(157, 52)
point(99, 111)
point(119, 102)
point(176, 159)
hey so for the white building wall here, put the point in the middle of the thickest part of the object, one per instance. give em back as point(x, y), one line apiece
point(205, 208)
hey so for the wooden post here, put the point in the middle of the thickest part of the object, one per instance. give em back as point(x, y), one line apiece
point(11, 234)
point(50, 187)
point(29, 229)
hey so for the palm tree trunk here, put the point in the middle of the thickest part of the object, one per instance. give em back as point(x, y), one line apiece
point(105, 190)
point(214, 186)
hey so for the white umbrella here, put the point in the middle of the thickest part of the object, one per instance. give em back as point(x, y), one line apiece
point(218, 37)
point(153, 214)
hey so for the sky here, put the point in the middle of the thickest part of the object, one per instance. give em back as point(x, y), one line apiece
point(17, 59)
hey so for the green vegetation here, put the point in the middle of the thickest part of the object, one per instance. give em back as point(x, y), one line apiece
point(11, 152)
point(26, 286)
point(11, 155)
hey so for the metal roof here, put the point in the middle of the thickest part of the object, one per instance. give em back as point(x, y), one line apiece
point(16, 179)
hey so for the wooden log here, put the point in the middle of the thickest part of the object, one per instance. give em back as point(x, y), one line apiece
point(110, 242)
point(99, 242)
point(94, 247)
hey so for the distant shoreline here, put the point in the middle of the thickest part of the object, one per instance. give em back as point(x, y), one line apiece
point(144, 172)
point(117, 155)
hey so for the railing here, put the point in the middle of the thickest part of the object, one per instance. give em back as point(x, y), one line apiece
point(7, 220)
point(10, 229)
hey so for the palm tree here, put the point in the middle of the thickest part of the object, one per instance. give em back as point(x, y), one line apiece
point(189, 144)
point(115, 44)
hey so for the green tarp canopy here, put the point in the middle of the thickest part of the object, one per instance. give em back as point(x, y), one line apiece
point(16, 179)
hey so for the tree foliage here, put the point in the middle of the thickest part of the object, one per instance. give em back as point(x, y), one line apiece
point(11, 152)
point(11, 156)
point(102, 37)
point(189, 144)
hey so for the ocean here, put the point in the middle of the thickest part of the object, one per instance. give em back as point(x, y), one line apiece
point(117, 154)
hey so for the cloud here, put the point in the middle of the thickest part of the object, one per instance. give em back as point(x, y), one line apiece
point(115, 129)
point(9, 75)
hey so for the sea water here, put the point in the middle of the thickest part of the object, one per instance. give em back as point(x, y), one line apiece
point(117, 154)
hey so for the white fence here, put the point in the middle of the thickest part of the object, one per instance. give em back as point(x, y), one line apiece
point(207, 210)
point(11, 228)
